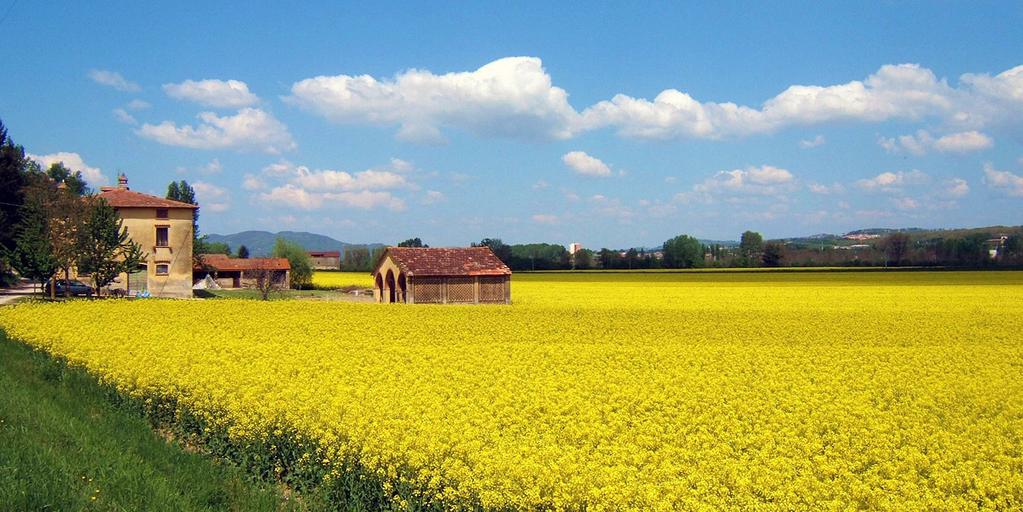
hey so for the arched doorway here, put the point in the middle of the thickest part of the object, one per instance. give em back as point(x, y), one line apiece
point(379, 284)
point(402, 288)
point(389, 284)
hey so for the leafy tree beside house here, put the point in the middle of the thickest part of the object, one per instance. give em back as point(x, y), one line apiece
point(774, 253)
point(243, 252)
point(896, 247)
point(72, 180)
point(583, 259)
point(751, 244)
point(301, 267)
point(32, 255)
point(500, 249)
point(412, 242)
point(105, 250)
point(182, 192)
point(216, 248)
point(65, 224)
point(13, 178)
point(683, 251)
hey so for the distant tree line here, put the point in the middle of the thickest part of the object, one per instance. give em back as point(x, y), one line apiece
point(955, 249)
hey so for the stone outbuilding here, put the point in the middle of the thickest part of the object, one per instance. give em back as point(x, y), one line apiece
point(241, 272)
point(430, 275)
point(325, 260)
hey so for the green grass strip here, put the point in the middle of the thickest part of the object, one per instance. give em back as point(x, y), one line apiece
point(66, 445)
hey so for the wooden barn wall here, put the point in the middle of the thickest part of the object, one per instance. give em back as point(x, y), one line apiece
point(461, 290)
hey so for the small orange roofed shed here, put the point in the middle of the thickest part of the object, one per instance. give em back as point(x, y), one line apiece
point(441, 275)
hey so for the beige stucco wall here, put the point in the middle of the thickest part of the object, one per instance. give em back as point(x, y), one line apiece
point(382, 294)
point(141, 224)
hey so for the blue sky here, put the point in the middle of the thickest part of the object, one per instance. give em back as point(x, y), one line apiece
point(614, 125)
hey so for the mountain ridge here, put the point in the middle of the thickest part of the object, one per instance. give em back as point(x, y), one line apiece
point(260, 243)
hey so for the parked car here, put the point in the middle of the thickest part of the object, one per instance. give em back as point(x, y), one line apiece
point(75, 286)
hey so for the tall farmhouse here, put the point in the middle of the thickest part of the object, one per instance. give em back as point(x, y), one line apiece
point(164, 230)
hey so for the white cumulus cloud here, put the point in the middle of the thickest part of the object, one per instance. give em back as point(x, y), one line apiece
point(124, 117)
point(956, 188)
point(297, 197)
point(329, 180)
point(905, 203)
point(585, 164)
point(249, 129)
point(515, 97)
point(544, 218)
point(509, 97)
point(922, 142)
point(252, 182)
point(213, 93)
point(73, 161)
point(211, 198)
point(963, 142)
point(113, 79)
point(893, 181)
point(1004, 181)
point(762, 180)
point(905, 91)
point(812, 143)
point(824, 189)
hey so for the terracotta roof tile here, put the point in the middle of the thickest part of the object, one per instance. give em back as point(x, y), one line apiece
point(224, 263)
point(124, 198)
point(444, 261)
point(324, 254)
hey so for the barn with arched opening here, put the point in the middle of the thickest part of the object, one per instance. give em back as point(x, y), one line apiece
point(433, 275)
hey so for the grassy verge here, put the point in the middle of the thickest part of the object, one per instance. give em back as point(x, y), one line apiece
point(64, 445)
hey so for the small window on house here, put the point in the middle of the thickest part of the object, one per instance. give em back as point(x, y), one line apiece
point(161, 213)
point(161, 236)
point(162, 269)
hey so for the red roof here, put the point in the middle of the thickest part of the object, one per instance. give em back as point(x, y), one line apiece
point(444, 261)
point(223, 263)
point(324, 254)
point(124, 198)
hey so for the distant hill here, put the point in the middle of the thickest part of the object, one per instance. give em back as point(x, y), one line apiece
point(260, 243)
point(861, 236)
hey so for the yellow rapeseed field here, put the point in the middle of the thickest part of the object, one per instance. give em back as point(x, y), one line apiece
point(334, 280)
point(606, 391)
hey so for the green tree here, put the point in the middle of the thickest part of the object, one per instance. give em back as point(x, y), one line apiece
point(895, 247)
point(751, 244)
point(214, 248)
point(32, 255)
point(1012, 249)
point(607, 258)
point(131, 257)
point(412, 242)
point(102, 241)
point(683, 251)
point(773, 254)
point(583, 259)
point(73, 180)
point(13, 180)
point(631, 257)
point(243, 252)
point(65, 222)
point(301, 267)
point(182, 192)
point(357, 259)
point(501, 250)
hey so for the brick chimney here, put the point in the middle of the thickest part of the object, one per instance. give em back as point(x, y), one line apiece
point(122, 181)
